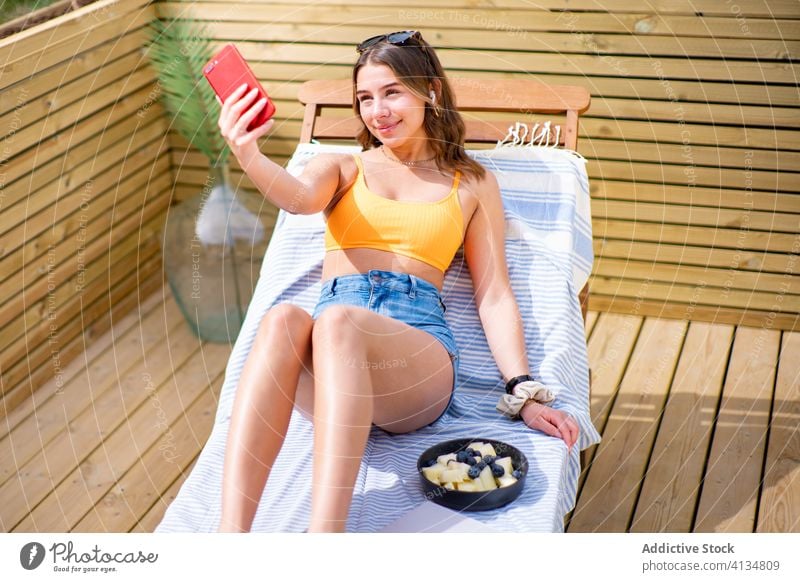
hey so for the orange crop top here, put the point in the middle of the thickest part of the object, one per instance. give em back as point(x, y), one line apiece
point(431, 232)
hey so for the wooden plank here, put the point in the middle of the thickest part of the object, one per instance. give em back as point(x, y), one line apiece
point(283, 79)
point(734, 316)
point(674, 174)
point(610, 347)
point(672, 250)
point(718, 238)
point(698, 294)
point(527, 18)
point(591, 320)
point(158, 400)
point(471, 94)
point(686, 275)
point(714, 197)
point(122, 397)
point(779, 503)
point(669, 131)
point(164, 463)
point(609, 494)
point(149, 521)
point(90, 351)
point(51, 417)
point(536, 63)
point(731, 483)
point(718, 113)
point(695, 215)
point(672, 482)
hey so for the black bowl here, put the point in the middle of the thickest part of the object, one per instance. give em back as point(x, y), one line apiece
point(472, 500)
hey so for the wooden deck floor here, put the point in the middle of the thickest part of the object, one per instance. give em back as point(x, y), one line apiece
point(699, 421)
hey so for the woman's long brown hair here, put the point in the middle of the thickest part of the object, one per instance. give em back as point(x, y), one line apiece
point(417, 67)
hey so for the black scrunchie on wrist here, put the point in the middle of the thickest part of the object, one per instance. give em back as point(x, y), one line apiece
point(516, 380)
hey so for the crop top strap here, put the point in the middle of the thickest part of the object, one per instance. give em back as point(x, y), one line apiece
point(455, 180)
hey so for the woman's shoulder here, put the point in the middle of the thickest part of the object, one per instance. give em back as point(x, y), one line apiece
point(343, 164)
point(487, 182)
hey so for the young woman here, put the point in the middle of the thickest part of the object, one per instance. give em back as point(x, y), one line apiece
point(377, 349)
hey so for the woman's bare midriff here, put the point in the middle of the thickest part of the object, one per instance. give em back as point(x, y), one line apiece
point(355, 261)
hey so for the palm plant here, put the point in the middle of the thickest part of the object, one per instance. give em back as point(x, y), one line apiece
point(178, 50)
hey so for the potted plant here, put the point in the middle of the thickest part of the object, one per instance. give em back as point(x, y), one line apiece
point(213, 243)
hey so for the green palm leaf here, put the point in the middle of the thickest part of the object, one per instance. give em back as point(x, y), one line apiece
point(178, 50)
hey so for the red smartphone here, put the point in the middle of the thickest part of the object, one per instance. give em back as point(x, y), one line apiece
point(227, 71)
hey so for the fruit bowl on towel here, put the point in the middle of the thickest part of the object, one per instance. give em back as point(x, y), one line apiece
point(472, 474)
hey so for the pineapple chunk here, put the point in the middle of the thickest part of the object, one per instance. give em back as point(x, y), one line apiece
point(506, 480)
point(487, 449)
point(505, 462)
point(468, 486)
point(449, 487)
point(433, 473)
point(476, 445)
point(452, 476)
point(487, 479)
point(442, 459)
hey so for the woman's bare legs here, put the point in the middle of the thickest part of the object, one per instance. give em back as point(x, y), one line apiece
point(350, 393)
point(262, 410)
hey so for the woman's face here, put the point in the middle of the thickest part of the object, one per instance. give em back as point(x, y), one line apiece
point(391, 112)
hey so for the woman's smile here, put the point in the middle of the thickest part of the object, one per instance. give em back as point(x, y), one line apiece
point(388, 127)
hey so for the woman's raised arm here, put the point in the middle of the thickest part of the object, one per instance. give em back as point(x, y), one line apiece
point(308, 194)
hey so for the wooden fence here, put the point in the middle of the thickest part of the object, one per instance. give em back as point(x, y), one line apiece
point(85, 181)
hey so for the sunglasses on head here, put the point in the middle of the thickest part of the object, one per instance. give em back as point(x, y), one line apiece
point(396, 38)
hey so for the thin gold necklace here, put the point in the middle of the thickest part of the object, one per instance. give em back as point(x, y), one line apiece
point(410, 164)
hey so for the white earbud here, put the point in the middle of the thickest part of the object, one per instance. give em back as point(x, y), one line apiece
point(433, 97)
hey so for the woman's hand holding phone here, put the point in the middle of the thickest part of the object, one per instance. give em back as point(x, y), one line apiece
point(238, 110)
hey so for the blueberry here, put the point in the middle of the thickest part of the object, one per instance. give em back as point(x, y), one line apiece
point(498, 471)
point(462, 456)
point(472, 452)
point(489, 459)
point(481, 466)
point(517, 474)
point(473, 472)
point(471, 461)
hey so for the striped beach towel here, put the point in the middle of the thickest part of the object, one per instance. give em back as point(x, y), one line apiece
point(549, 252)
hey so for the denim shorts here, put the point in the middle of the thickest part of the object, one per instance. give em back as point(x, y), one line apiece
point(400, 296)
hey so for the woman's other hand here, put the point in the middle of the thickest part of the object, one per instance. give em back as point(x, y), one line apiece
point(551, 421)
point(238, 111)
